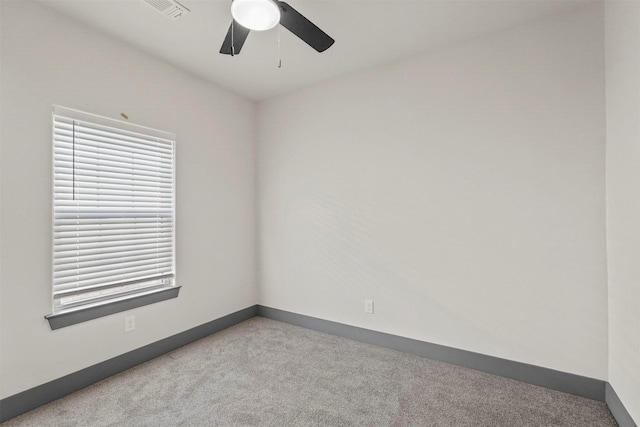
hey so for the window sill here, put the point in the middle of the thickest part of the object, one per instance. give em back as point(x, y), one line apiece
point(72, 317)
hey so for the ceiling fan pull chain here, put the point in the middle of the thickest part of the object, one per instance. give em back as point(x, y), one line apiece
point(279, 54)
point(233, 48)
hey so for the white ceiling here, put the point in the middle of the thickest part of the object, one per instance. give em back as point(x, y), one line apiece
point(367, 33)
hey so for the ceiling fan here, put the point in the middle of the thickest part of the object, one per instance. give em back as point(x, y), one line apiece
point(261, 15)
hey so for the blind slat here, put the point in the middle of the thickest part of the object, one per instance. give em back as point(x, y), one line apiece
point(146, 282)
point(62, 176)
point(80, 265)
point(109, 251)
point(107, 286)
point(80, 238)
point(74, 231)
point(62, 262)
point(113, 280)
point(104, 272)
point(112, 244)
point(66, 146)
point(109, 222)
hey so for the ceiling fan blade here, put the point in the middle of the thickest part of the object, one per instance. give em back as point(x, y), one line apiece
point(293, 21)
point(234, 40)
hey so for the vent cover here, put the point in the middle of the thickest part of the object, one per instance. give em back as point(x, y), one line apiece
point(169, 8)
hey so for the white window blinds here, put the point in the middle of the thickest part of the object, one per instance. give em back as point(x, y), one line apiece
point(113, 210)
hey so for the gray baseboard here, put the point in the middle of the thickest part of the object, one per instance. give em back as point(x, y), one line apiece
point(617, 408)
point(545, 377)
point(17, 404)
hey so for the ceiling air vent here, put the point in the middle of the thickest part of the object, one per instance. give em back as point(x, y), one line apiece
point(169, 8)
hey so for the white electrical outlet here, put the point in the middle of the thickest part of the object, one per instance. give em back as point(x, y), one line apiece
point(129, 323)
point(368, 306)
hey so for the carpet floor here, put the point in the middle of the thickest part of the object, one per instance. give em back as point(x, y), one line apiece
point(267, 373)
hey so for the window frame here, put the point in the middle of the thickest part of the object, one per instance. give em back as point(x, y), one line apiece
point(82, 312)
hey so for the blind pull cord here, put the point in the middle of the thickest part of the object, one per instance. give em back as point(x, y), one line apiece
point(73, 147)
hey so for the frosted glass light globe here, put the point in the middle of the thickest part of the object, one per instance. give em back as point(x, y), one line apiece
point(257, 15)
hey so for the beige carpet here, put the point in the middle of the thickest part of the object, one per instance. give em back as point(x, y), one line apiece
point(267, 373)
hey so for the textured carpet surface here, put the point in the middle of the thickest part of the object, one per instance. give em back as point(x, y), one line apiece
point(267, 373)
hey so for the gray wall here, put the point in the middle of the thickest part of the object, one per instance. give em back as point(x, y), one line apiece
point(623, 199)
point(462, 191)
point(48, 59)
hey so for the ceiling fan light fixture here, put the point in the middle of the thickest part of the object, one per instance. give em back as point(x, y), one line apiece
point(257, 15)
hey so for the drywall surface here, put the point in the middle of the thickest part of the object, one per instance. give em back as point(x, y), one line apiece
point(622, 41)
point(48, 59)
point(462, 191)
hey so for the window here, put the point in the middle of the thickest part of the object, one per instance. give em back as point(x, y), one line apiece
point(113, 217)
